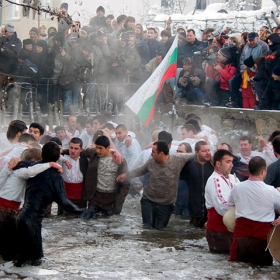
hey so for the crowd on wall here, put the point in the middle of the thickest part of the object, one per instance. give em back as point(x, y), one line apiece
point(223, 69)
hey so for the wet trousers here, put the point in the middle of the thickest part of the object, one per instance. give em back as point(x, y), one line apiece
point(155, 215)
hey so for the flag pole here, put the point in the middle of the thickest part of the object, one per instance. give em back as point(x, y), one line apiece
point(173, 108)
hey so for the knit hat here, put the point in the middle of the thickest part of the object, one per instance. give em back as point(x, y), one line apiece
point(101, 9)
point(42, 44)
point(276, 71)
point(225, 52)
point(86, 46)
point(180, 27)
point(124, 36)
point(252, 36)
point(249, 62)
point(34, 29)
point(23, 55)
point(121, 18)
point(26, 42)
point(274, 38)
point(10, 27)
point(165, 136)
point(59, 36)
point(64, 6)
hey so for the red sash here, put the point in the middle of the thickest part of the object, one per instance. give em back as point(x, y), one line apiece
point(74, 190)
point(9, 204)
point(215, 221)
point(248, 228)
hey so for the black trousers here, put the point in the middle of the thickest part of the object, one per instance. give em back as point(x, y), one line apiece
point(155, 215)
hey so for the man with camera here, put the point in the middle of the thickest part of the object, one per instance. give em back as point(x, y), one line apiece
point(189, 48)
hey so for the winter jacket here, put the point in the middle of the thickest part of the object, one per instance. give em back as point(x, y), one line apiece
point(226, 73)
point(261, 49)
point(98, 23)
point(271, 96)
point(9, 57)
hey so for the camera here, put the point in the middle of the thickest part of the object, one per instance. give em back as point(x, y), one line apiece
point(215, 33)
point(61, 49)
point(101, 34)
point(121, 57)
point(149, 35)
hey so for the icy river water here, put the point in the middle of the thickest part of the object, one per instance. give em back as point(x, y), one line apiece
point(118, 248)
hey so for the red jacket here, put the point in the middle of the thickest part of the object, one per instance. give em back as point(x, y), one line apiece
point(226, 73)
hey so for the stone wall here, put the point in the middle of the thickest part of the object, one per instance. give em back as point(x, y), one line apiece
point(229, 123)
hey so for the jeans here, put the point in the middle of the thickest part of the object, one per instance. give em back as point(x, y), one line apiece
point(155, 215)
point(181, 205)
point(67, 98)
point(193, 94)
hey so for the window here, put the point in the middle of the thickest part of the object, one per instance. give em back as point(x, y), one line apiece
point(14, 11)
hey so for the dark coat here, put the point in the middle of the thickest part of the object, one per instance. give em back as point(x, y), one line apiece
point(187, 50)
point(98, 23)
point(196, 176)
point(271, 96)
point(91, 181)
point(154, 47)
point(41, 191)
point(267, 64)
point(9, 58)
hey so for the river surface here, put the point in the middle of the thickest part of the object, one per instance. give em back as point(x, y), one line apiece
point(118, 248)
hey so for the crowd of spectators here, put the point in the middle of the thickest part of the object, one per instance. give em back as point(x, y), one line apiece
point(223, 69)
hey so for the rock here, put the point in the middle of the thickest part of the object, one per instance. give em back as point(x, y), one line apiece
point(216, 122)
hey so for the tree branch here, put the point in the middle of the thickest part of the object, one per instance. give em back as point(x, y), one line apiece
point(53, 12)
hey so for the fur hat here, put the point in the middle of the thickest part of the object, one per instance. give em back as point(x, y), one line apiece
point(10, 27)
point(100, 8)
point(249, 62)
point(274, 38)
point(27, 42)
point(225, 52)
point(276, 71)
point(34, 29)
point(64, 6)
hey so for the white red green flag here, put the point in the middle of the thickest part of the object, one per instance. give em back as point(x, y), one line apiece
point(142, 103)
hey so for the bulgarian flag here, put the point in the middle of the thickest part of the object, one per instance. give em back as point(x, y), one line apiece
point(142, 103)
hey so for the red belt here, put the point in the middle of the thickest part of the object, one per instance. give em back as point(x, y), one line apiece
point(215, 221)
point(9, 204)
point(74, 190)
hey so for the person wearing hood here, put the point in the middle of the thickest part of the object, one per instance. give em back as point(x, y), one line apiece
point(220, 96)
point(271, 96)
point(271, 60)
point(99, 21)
point(10, 50)
point(248, 92)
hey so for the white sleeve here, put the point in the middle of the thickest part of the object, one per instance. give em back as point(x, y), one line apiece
point(31, 171)
point(4, 175)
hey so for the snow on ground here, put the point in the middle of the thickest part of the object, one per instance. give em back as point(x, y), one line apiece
point(118, 248)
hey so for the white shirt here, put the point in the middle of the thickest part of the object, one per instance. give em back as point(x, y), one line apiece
point(130, 153)
point(73, 175)
point(85, 137)
point(268, 153)
point(253, 154)
point(14, 187)
point(217, 191)
point(255, 200)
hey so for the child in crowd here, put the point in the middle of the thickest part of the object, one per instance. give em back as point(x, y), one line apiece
point(248, 94)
